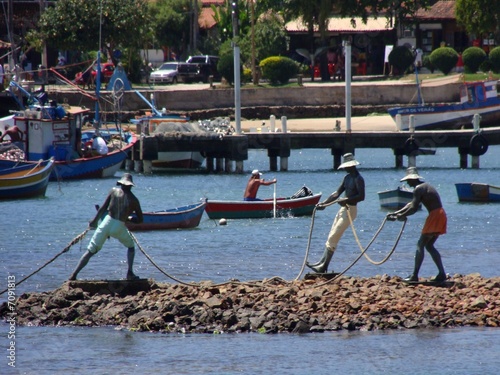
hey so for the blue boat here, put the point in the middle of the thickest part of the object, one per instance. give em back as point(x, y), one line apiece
point(475, 98)
point(24, 179)
point(477, 192)
point(175, 218)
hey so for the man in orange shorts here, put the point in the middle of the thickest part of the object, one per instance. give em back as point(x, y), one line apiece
point(434, 226)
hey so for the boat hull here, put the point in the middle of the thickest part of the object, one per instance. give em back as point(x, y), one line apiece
point(176, 218)
point(477, 192)
point(179, 160)
point(394, 199)
point(27, 180)
point(285, 207)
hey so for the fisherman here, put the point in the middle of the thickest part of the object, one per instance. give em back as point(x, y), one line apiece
point(15, 134)
point(434, 226)
point(253, 185)
point(119, 205)
point(353, 185)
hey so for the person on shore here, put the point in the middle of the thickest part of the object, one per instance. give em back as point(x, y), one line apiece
point(353, 185)
point(253, 185)
point(434, 226)
point(118, 206)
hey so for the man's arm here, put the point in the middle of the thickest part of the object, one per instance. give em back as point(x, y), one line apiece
point(100, 213)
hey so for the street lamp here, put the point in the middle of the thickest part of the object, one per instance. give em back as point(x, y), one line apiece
point(252, 25)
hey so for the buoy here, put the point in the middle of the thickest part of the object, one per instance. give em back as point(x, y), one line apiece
point(222, 221)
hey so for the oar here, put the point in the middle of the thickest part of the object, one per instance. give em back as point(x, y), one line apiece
point(274, 200)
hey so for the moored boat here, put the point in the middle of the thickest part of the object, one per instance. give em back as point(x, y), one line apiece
point(51, 130)
point(475, 98)
point(395, 198)
point(477, 192)
point(175, 218)
point(24, 179)
point(283, 207)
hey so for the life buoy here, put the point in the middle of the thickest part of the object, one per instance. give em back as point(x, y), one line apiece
point(478, 145)
point(410, 146)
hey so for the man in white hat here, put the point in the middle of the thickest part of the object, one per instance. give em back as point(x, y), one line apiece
point(253, 185)
point(118, 206)
point(434, 226)
point(353, 185)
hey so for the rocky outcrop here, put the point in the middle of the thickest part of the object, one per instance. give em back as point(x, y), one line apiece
point(271, 306)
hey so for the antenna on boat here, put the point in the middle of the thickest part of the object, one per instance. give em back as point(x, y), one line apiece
point(97, 120)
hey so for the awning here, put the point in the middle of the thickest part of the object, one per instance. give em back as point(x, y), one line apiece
point(4, 44)
point(344, 25)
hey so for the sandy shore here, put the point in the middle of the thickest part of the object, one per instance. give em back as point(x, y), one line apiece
point(366, 123)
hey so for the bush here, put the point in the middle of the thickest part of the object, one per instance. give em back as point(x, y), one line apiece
point(495, 59)
point(486, 66)
point(428, 64)
point(225, 67)
point(444, 59)
point(473, 58)
point(278, 69)
point(401, 58)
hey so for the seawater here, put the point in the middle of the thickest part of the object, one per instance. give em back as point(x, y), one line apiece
point(33, 231)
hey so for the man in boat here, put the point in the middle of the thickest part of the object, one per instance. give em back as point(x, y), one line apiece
point(353, 185)
point(434, 226)
point(15, 136)
point(253, 185)
point(119, 205)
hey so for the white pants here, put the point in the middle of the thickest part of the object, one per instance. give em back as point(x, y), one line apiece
point(340, 224)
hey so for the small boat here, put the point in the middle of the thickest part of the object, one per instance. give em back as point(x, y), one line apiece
point(395, 198)
point(175, 218)
point(284, 207)
point(51, 130)
point(159, 122)
point(475, 98)
point(24, 179)
point(477, 192)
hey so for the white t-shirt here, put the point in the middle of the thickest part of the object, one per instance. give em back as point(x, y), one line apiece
point(99, 144)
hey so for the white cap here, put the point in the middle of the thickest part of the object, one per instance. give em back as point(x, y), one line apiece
point(256, 172)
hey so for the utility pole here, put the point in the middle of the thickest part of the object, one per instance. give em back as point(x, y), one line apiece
point(236, 53)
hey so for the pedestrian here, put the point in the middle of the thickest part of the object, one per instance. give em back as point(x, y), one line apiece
point(119, 205)
point(434, 226)
point(353, 185)
point(253, 185)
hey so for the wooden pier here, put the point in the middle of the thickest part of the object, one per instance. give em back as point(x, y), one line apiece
point(223, 151)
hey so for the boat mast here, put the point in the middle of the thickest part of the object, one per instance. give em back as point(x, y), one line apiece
point(97, 120)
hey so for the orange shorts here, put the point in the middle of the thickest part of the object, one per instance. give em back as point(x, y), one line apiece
point(435, 222)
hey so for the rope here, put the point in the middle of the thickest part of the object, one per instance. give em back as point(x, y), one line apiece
point(363, 250)
point(73, 242)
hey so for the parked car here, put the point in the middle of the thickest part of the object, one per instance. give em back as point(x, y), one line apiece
point(107, 70)
point(166, 73)
point(199, 68)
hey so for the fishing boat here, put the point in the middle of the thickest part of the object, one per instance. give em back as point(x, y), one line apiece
point(160, 122)
point(267, 208)
point(395, 198)
point(477, 192)
point(175, 218)
point(24, 179)
point(480, 97)
point(52, 130)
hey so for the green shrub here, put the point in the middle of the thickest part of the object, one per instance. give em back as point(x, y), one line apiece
point(247, 75)
point(486, 66)
point(473, 58)
point(444, 59)
point(225, 67)
point(428, 64)
point(495, 59)
point(401, 58)
point(278, 69)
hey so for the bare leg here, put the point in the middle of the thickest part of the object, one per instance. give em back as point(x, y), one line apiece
point(130, 259)
point(436, 257)
point(83, 262)
point(419, 257)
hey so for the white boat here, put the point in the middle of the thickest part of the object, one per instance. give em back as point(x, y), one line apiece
point(395, 198)
point(479, 97)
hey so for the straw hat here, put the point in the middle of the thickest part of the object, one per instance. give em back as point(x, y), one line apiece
point(126, 180)
point(412, 174)
point(349, 161)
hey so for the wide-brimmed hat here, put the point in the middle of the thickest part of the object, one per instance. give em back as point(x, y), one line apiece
point(348, 161)
point(412, 174)
point(256, 172)
point(126, 180)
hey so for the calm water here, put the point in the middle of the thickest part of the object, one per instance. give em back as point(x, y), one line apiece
point(36, 230)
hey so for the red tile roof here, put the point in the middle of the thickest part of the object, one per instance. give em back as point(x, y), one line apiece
point(442, 10)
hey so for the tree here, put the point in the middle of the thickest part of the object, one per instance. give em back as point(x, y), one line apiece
point(478, 16)
point(172, 23)
point(75, 25)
